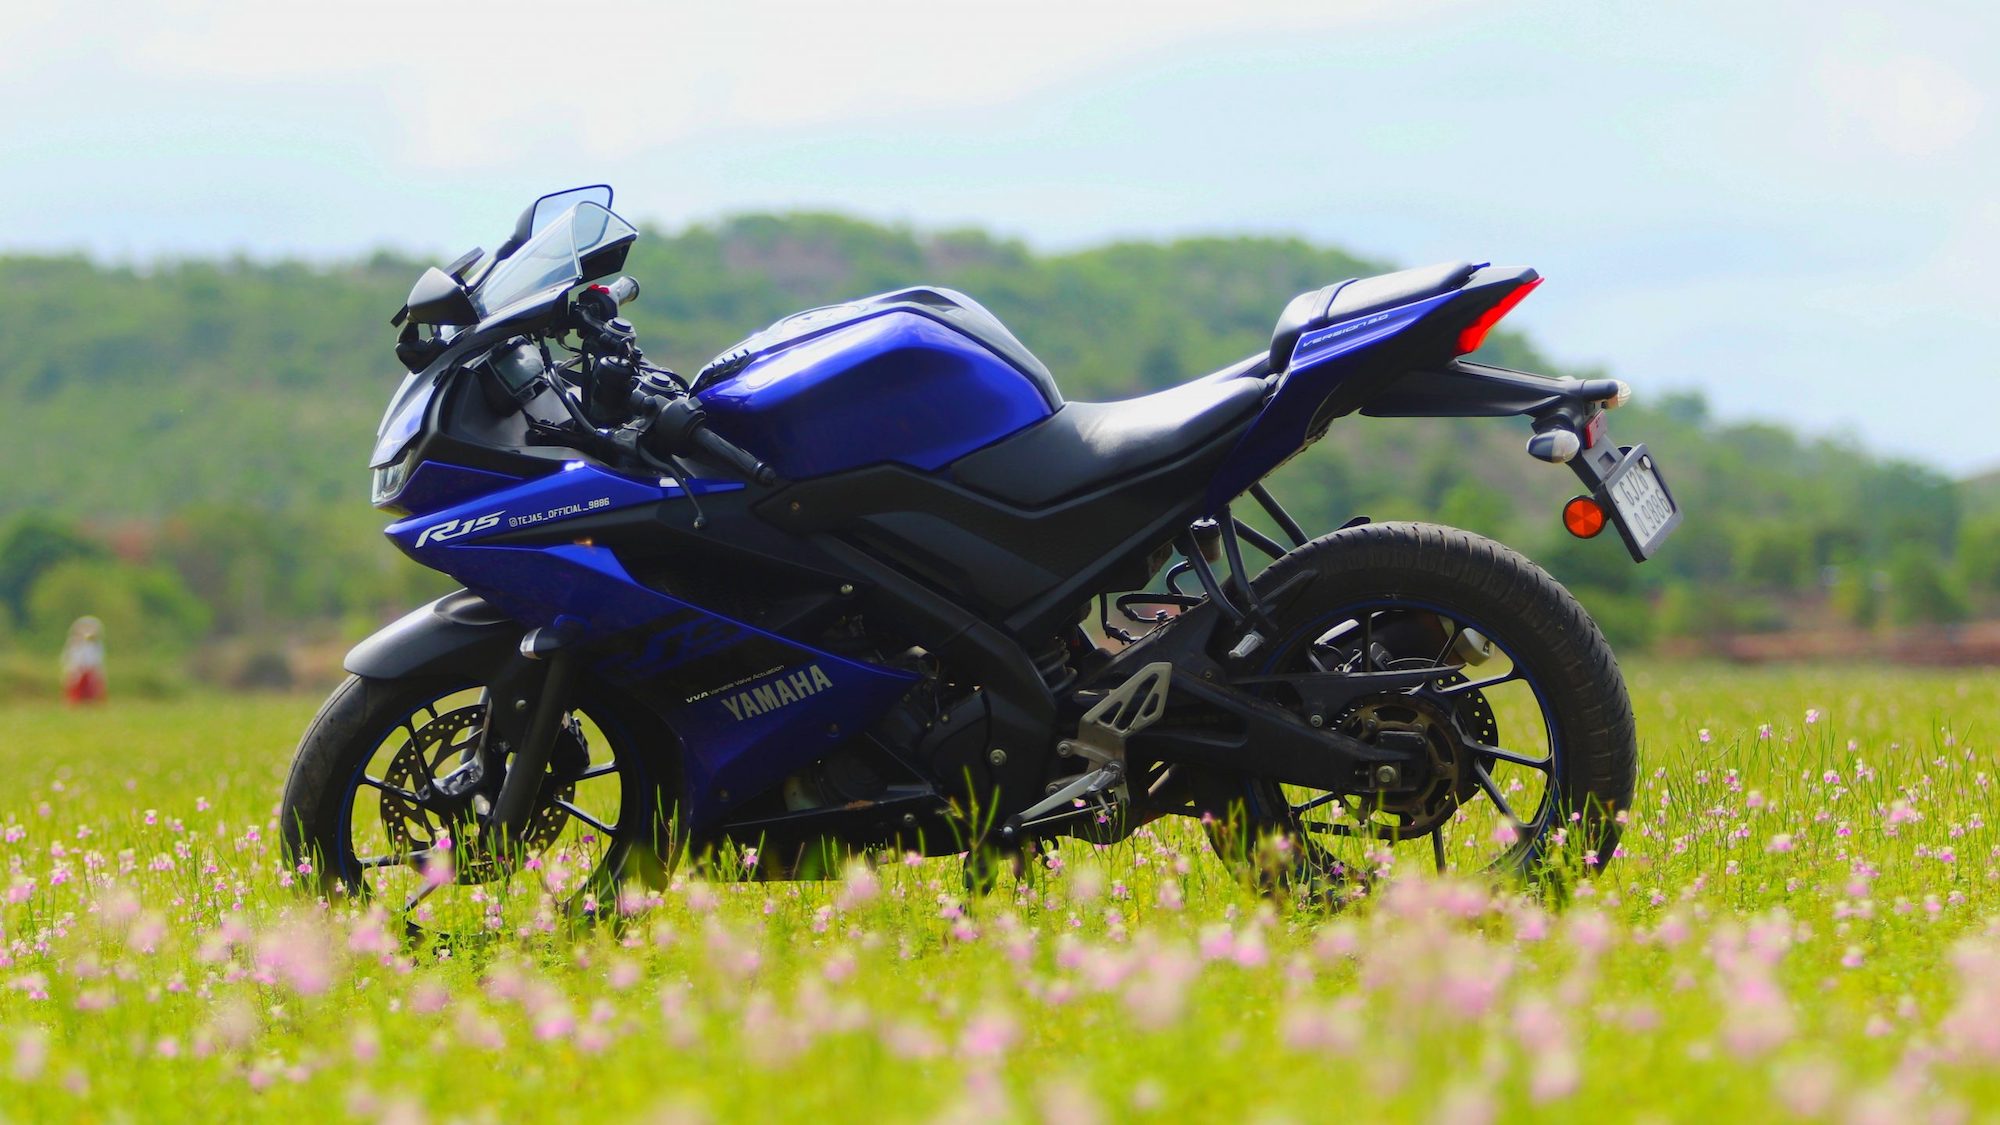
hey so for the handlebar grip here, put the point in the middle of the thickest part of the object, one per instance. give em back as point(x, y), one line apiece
point(600, 302)
point(706, 443)
point(679, 427)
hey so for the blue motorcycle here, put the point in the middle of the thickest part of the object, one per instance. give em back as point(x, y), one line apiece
point(868, 582)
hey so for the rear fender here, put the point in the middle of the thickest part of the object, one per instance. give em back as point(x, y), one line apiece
point(1477, 390)
point(458, 632)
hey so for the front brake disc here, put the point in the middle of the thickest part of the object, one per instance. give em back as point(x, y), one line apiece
point(433, 750)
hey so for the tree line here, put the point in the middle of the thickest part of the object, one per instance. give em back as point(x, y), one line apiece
point(187, 455)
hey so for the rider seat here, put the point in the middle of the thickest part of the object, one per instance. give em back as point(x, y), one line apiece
point(1085, 446)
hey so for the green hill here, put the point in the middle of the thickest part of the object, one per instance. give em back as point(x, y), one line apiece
point(206, 423)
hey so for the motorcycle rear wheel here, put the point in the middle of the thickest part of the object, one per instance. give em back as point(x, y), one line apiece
point(1403, 593)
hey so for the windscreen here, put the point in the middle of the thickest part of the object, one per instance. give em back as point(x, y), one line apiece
point(550, 261)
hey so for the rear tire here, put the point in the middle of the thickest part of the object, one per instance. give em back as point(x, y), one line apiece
point(1411, 579)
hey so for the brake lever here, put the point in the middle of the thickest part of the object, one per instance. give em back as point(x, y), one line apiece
point(632, 440)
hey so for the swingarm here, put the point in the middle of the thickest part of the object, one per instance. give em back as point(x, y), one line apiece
point(1199, 715)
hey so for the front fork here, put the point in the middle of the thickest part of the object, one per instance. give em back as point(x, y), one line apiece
point(526, 702)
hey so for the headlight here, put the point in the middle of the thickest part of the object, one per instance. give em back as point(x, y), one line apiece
point(389, 481)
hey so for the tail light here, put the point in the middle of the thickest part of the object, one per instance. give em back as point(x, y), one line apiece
point(1474, 334)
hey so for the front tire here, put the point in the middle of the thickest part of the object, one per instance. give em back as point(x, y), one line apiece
point(350, 821)
point(1403, 594)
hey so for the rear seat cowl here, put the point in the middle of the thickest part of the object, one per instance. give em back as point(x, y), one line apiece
point(1345, 300)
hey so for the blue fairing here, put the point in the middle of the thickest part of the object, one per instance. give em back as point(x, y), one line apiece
point(436, 485)
point(750, 707)
point(580, 489)
point(1322, 359)
point(896, 386)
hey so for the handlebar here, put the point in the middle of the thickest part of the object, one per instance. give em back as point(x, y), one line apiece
point(679, 427)
point(676, 425)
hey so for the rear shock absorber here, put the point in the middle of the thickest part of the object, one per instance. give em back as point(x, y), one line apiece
point(1054, 666)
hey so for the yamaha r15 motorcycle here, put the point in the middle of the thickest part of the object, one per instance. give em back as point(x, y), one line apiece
point(868, 581)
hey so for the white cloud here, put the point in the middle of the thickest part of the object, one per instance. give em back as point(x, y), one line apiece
point(1908, 103)
point(617, 74)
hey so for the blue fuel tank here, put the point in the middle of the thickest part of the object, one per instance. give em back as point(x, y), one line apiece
point(917, 377)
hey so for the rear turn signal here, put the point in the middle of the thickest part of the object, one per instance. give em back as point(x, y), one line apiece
point(1474, 334)
point(1584, 517)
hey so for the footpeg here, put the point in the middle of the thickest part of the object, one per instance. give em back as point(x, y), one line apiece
point(1093, 784)
point(1100, 738)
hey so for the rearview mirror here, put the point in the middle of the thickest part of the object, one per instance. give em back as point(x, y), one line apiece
point(438, 298)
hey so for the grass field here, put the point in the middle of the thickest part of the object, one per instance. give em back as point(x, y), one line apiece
point(1805, 923)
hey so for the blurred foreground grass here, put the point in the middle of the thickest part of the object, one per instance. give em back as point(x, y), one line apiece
point(1803, 924)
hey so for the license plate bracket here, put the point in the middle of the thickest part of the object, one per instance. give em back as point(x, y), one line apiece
point(1639, 502)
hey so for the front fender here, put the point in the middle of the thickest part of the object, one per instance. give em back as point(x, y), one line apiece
point(458, 632)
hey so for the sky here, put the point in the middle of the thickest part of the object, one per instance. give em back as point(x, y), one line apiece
point(1788, 206)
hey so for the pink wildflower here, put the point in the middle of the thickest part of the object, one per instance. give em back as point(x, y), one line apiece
point(429, 998)
point(1808, 1089)
point(859, 887)
point(31, 1053)
point(989, 1034)
point(1068, 1101)
point(438, 869)
point(1556, 1074)
point(298, 956)
point(554, 1022)
point(1590, 931)
point(146, 932)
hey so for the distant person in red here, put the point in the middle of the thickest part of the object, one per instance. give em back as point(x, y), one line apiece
point(83, 662)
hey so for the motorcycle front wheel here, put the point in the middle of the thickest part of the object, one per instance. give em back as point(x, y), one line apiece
point(362, 815)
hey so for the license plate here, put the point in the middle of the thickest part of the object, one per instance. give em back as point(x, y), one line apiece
point(1640, 504)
